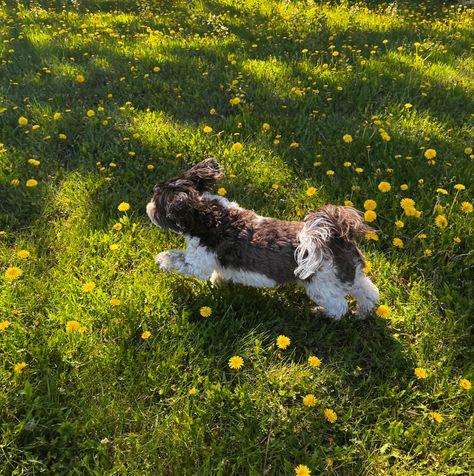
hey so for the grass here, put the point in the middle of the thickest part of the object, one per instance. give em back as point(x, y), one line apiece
point(95, 397)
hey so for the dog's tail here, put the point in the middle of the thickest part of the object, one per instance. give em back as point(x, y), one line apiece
point(325, 226)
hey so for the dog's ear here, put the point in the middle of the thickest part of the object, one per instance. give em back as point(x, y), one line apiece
point(181, 211)
point(204, 175)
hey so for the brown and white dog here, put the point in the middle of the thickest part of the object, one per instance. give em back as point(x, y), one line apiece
point(227, 242)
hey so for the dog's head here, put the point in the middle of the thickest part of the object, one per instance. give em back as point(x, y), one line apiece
point(174, 203)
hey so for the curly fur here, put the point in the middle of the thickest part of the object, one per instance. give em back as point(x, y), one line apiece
point(227, 242)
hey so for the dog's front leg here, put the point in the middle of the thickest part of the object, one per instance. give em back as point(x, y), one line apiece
point(185, 263)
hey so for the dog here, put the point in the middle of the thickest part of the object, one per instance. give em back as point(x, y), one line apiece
point(225, 242)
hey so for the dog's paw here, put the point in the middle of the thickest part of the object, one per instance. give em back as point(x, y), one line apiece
point(166, 260)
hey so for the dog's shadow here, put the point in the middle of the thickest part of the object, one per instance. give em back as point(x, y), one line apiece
point(242, 314)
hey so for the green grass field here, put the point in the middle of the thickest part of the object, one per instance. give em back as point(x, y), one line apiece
point(107, 365)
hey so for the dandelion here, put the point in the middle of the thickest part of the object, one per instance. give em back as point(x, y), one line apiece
point(407, 203)
point(13, 273)
point(397, 242)
point(442, 191)
point(221, 191)
point(34, 162)
point(383, 311)
point(23, 254)
point(22, 121)
point(348, 203)
point(468, 150)
point(205, 311)
point(384, 187)
point(465, 384)
point(62, 136)
point(309, 400)
point(421, 372)
point(19, 367)
point(237, 147)
point(460, 186)
point(302, 470)
point(311, 191)
point(212, 111)
point(80, 78)
point(123, 207)
point(207, 129)
point(283, 342)
point(117, 226)
point(385, 137)
point(441, 221)
point(88, 287)
point(367, 267)
point(347, 138)
point(57, 116)
point(403, 187)
point(193, 391)
point(466, 207)
point(370, 215)
point(146, 335)
point(294, 145)
point(428, 252)
point(330, 415)
point(114, 247)
point(265, 126)
point(235, 101)
point(90, 113)
point(370, 204)
point(399, 224)
point(73, 326)
point(115, 302)
point(4, 325)
point(371, 236)
point(31, 183)
point(236, 362)
point(408, 105)
point(156, 69)
point(436, 417)
point(430, 154)
point(314, 361)
point(15, 182)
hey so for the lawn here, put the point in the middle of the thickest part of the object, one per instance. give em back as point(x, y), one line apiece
point(111, 367)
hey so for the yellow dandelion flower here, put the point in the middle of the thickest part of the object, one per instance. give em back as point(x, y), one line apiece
point(80, 78)
point(330, 172)
point(460, 186)
point(347, 164)
point(13, 273)
point(330, 415)
point(371, 236)
point(408, 105)
point(370, 204)
point(465, 384)
point(205, 311)
point(265, 126)
point(146, 335)
point(57, 116)
point(115, 302)
point(19, 367)
point(23, 254)
point(314, 361)
point(90, 113)
point(4, 325)
point(294, 145)
point(384, 187)
point(428, 252)
point(221, 191)
point(72, 326)
point(31, 183)
point(347, 138)
point(348, 203)
point(403, 186)
point(309, 400)
point(123, 207)
point(421, 373)
point(466, 207)
point(302, 470)
point(236, 362)
point(212, 111)
point(235, 101)
point(311, 191)
point(88, 287)
point(399, 224)
point(385, 137)
point(22, 121)
point(441, 221)
point(117, 226)
point(430, 154)
point(62, 136)
point(367, 267)
point(34, 162)
point(370, 216)
point(442, 191)
point(283, 342)
point(383, 311)
point(468, 150)
point(207, 129)
point(156, 69)
point(114, 247)
point(15, 182)
point(397, 242)
point(237, 147)
point(193, 391)
point(359, 170)
point(437, 417)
